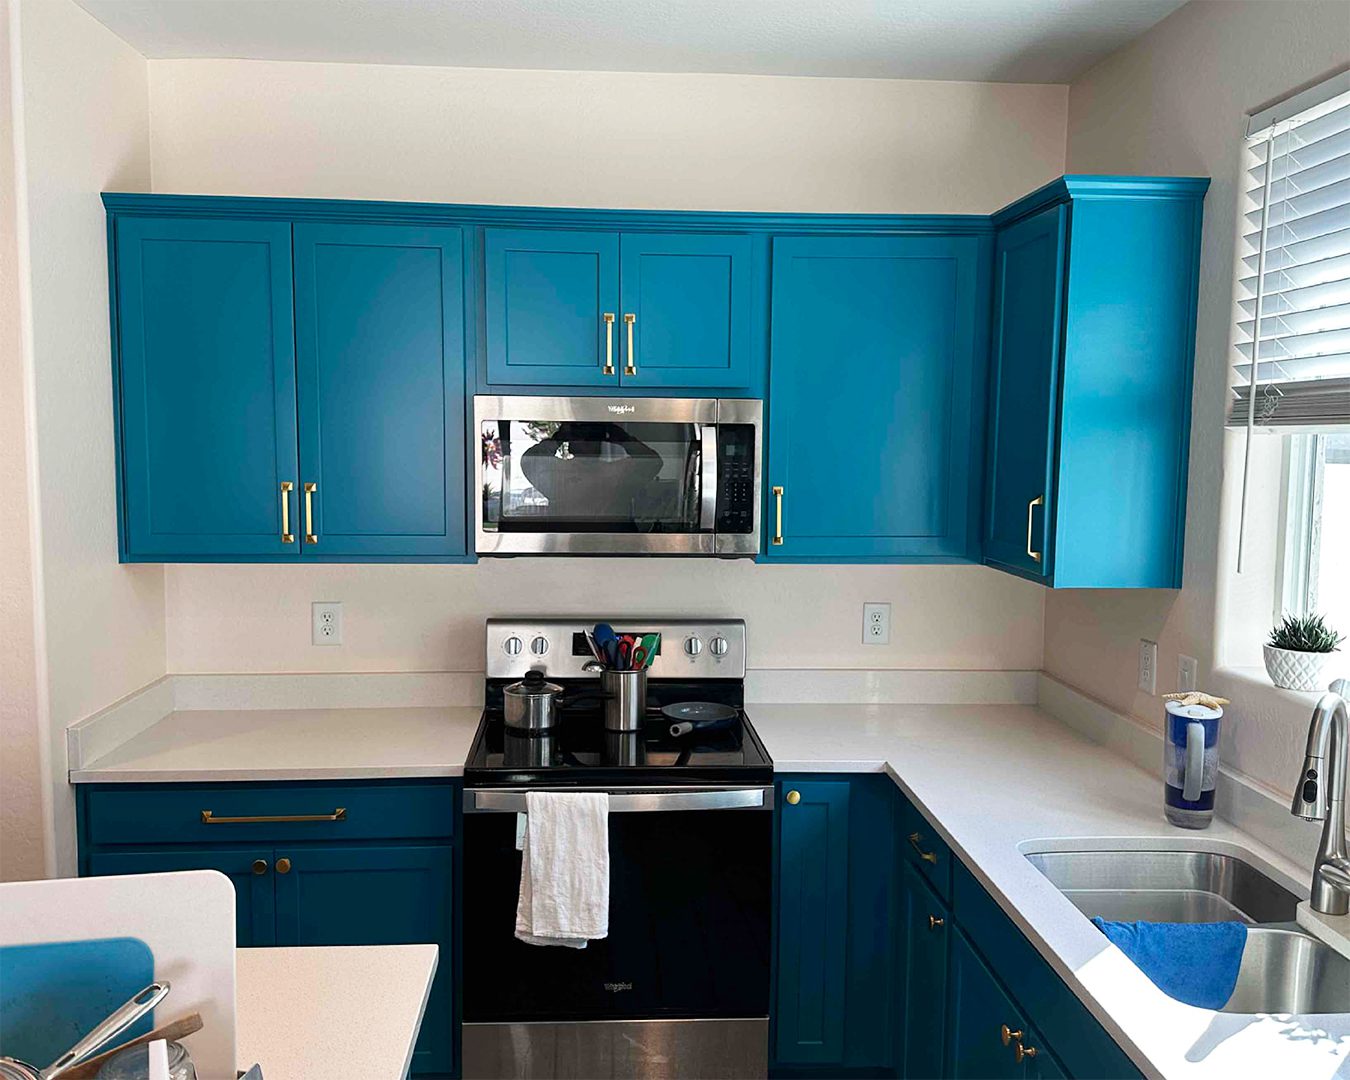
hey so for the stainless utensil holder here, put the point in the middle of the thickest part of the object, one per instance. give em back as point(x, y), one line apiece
point(627, 702)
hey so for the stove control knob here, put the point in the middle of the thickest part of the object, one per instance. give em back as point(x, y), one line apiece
point(692, 645)
point(539, 646)
point(719, 646)
point(512, 646)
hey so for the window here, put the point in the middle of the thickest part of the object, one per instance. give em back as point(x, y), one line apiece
point(1291, 368)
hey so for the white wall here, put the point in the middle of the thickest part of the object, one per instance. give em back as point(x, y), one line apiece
point(81, 127)
point(598, 139)
point(1175, 102)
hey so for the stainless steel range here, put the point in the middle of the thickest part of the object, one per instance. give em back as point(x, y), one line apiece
point(680, 987)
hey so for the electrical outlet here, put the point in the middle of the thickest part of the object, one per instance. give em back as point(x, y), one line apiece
point(326, 622)
point(1148, 666)
point(876, 624)
point(1187, 672)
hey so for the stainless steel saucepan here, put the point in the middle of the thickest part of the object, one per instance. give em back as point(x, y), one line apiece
point(113, 1026)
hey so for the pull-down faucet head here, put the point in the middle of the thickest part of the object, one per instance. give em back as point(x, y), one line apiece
point(1319, 795)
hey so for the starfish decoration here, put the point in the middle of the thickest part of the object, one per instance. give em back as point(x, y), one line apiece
point(1194, 697)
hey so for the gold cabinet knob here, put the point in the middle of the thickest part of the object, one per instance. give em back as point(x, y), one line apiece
point(935, 922)
point(1020, 1052)
point(1009, 1035)
point(283, 866)
point(794, 797)
point(260, 866)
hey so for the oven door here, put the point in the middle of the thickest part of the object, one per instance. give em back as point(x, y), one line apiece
point(596, 475)
point(683, 976)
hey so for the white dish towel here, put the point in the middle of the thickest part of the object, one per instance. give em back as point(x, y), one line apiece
point(564, 869)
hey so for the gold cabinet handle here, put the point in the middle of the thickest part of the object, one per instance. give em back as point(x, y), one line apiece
point(310, 489)
point(1009, 1035)
point(926, 856)
point(287, 537)
point(208, 818)
point(794, 797)
point(630, 366)
point(283, 866)
point(1039, 500)
point(260, 866)
point(936, 922)
point(777, 516)
point(608, 369)
point(1020, 1052)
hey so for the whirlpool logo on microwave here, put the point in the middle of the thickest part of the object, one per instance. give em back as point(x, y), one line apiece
point(619, 410)
point(618, 987)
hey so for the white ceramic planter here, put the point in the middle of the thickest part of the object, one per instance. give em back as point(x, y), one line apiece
point(1295, 670)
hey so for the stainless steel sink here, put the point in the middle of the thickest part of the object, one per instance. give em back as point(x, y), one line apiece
point(1283, 969)
point(1166, 886)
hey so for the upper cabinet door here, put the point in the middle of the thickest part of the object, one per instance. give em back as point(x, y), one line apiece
point(1028, 325)
point(876, 397)
point(552, 307)
point(686, 310)
point(206, 389)
point(380, 338)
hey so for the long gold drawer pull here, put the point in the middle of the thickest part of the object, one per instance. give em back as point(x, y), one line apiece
point(1039, 500)
point(208, 818)
point(609, 343)
point(777, 515)
point(630, 367)
point(310, 489)
point(926, 856)
point(287, 537)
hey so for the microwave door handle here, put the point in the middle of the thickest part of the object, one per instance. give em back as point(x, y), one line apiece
point(707, 504)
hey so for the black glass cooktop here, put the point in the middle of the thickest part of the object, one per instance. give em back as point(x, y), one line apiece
point(579, 751)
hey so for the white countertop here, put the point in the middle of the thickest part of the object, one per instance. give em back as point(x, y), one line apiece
point(995, 780)
point(320, 1013)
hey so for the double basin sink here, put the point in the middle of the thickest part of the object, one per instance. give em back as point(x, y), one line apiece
point(1284, 970)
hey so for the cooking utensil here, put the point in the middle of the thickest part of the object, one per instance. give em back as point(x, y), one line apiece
point(137, 1062)
point(532, 703)
point(591, 644)
point(691, 716)
point(121, 1019)
point(173, 1032)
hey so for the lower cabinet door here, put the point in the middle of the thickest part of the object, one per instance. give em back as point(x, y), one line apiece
point(340, 894)
point(1042, 1064)
point(812, 922)
point(249, 870)
point(925, 925)
point(979, 1012)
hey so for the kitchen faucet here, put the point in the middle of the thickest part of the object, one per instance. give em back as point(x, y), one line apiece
point(1320, 796)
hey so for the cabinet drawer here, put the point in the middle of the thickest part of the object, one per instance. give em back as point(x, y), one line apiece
point(925, 849)
point(178, 814)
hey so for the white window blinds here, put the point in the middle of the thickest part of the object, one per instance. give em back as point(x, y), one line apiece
point(1292, 367)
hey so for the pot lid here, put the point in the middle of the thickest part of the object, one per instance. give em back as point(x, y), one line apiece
point(533, 685)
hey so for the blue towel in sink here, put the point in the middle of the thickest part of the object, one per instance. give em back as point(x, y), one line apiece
point(1193, 962)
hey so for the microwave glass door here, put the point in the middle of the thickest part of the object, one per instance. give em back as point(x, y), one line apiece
point(590, 476)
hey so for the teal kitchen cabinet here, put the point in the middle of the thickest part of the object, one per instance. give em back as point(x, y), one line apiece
point(312, 863)
point(921, 975)
point(1095, 282)
point(876, 398)
point(380, 351)
point(833, 1001)
point(603, 309)
point(205, 404)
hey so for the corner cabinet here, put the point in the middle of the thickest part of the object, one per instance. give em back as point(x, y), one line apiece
point(363, 864)
point(1095, 282)
point(288, 392)
point(876, 398)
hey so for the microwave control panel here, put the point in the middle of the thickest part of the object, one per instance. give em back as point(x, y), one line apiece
point(736, 478)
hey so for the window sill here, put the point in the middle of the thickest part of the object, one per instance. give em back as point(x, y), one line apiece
point(1251, 685)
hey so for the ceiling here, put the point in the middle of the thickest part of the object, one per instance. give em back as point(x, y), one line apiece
point(980, 40)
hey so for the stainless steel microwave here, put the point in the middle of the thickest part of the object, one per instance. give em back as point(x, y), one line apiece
point(617, 476)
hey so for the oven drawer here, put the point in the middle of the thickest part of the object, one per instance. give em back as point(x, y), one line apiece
point(224, 813)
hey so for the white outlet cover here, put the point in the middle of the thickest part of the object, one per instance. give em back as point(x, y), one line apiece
point(1148, 666)
point(326, 622)
point(876, 624)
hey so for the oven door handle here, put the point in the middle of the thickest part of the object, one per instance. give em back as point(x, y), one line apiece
point(707, 503)
point(512, 800)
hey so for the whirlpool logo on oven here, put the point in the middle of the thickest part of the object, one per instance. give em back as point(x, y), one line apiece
point(618, 987)
point(619, 410)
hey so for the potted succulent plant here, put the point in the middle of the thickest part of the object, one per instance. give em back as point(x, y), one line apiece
point(1297, 651)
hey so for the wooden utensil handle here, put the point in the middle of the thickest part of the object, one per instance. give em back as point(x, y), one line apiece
point(173, 1032)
